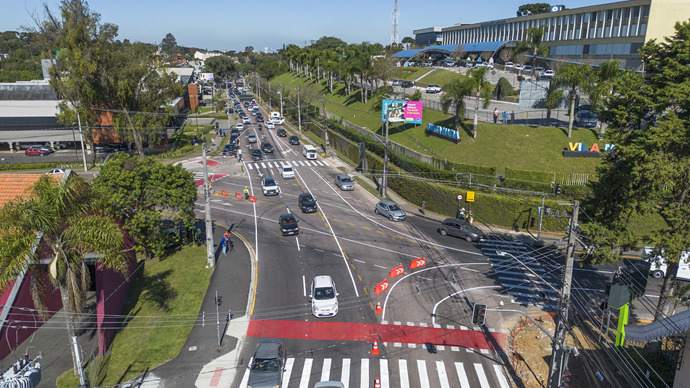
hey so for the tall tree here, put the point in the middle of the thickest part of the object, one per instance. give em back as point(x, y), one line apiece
point(454, 93)
point(649, 172)
point(328, 43)
point(601, 87)
point(169, 43)
point(572, 78)
point(139, 191)
point(535, 44)
point(221, 66)
point(66, 217)
point(481, 88)
point(533, 9)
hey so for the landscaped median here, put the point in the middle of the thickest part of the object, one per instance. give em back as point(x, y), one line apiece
point(161, 309)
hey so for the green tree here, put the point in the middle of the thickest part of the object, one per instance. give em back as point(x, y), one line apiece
point(533, 9)
point(67, 219)
point(169, 43)
point(535, 44)
point(601, 86)
point(408, 40)
point(503, 88)
point(221, 66)
point(481, 88)
point(572, 78)
point(140, 190)
point(649, 171)
point(326, 43)
point(454, 93)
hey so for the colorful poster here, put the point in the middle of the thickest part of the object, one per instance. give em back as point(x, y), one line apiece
point(399, 111)
point(206, 76)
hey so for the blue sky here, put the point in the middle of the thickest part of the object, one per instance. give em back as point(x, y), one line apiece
point(233, 25)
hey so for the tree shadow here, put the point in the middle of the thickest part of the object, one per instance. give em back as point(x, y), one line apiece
point(450, 123)
point(158, 290)
point(355, 96)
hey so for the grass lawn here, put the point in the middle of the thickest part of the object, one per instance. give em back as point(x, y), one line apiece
point(441, 77)
point(518, 147)
point(409, 73)
point(172, 287)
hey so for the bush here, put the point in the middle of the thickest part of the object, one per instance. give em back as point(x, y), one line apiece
point(503, 88)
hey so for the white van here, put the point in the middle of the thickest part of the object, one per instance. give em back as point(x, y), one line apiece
point(275, 114)
point(309, 151)
point(658, 268)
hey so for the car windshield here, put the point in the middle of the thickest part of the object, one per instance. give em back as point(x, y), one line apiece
point(346, 179)
point(308, 199)
point(393, 207)
point(269, 182)
point(265, 365)
point(587, 114)
point(324, 293)
point(287, 169)
point(288, 220)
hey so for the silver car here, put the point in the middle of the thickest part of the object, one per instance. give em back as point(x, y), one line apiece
point(344, 182)
point(266, 370)
point(391, 210)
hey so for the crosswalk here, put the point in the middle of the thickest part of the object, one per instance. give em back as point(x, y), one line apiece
point(305, 372)
point(286, 163)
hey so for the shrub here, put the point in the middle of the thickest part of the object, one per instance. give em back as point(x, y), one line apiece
point(503, 88)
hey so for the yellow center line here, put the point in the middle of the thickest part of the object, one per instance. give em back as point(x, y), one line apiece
point(380, 232)
point(365, 291)
point(399, 237)
point(337, 220)
point(371, 305)
point(365, 228)
point(411, 240)
point(350, 223)
point(359, 277)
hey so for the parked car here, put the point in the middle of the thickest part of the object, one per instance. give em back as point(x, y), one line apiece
point(56, 171)
point(585, 119)
point(407, 84)
point(266, 147)
point(33, 151)
point(267, 365)
point(518, 66)
point(288, 224)
point(344, 182)
point(549, 73)
point(324, 297)
point(538, 70)
point(587, 107)
point(391, 210)
point(281, 132)
point(257, 154)
point(307, 203)
point(287, 172)
point(510, 64)
point(251, 138)
point(527, 68)
point(294, 140)
point(397, 82)
point(433, 89)
point(269, 186)
point(460, 228)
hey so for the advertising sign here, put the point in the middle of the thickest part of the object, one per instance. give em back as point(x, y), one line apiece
point(206, 76)
point(402, 111)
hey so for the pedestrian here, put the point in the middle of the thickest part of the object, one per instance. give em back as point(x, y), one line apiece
point(470, 217)
point(224, 245)
point(423, 206)
point(461, 213)
point(505, 117)
point(213, 142)
point(495, 115)
point(226, 235)
point(246, 192)
point(195, 140)
point(239, 154)
point(216, 132)
point(223, 133)
point(512, 118)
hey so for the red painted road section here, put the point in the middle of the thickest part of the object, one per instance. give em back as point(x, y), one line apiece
point(211, 178)
point(210, 162)
point(349, 331)
point(216, 377)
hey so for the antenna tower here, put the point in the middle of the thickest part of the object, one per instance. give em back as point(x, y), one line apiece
point(394, 30)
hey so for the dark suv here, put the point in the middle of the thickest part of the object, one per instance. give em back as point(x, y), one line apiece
point(266, 147)
point(407, 84)
point(288, 224)
point(307, 203)
point(460, 228)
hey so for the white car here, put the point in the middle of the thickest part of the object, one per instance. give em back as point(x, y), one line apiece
point(433, 89)
point(277, 120)
point(549, 73)
point(269, 186)
point(510, 64)
point(324, 297)
point(246, 120)
point(56, 171)
point(287, 172)
point(270, 125)
point(240, 126)
point(518, 66)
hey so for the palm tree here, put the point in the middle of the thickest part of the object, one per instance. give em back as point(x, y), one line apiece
point(535, 36)
point(331, 65)
point(69, 220)
point(602, 86)
point(454, 93)
point(572, 78)
point(481, 89)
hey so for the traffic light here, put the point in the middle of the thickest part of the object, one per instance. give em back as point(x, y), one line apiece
point(559, 189)
point(479, 314)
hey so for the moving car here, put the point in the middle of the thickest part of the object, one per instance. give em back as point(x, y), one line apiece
point(240, 126)
point(257, 154)
point(344, 182)
point(40, 151)
point(324, 297)
point(294, 140)
point(309, 152)
point(288, 224)
point(267, 365)
point(269, 186)
point(270, 125)
point(391, 210)
point(433, 89)
point(397, 82)
point(266, 147)
point(251, 138)
point(329, 384)
point(229, 150)
point(407, 84)
point(307, 203)
point(282, 133)
point(585, 119)
point(659, 265)
point(460, 228)
point(287, 172)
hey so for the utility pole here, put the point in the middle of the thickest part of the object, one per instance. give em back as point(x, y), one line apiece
point(207, 209)
point(325, 124)
point(81, 135)
point(384, 182)
point(299, 113)
point(281, 103)
point(558, 350)
point(541, 216)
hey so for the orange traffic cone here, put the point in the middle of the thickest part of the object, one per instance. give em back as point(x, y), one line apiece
point(377, 383)
point(375, 349)
point(378, 308)
point(224, 193)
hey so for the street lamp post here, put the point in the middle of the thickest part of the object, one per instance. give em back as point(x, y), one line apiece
point(299, 113)
point(281, 103)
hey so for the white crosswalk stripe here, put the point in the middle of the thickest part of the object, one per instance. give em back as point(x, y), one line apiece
point(446, 378)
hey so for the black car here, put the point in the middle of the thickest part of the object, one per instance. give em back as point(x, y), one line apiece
point(266, 147)
point(307, 203)
point(260, 118)
point(460, 228)
point(229, 150)
point(288, 224)
point(268, 363)
point(257, 154)
point(407, 84)
point(282, 133)
point(294, 140)
point(585, 119)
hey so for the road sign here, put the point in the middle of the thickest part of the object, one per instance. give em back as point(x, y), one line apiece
point(399, 270)
point(381, 287)
point(418, 263)
point(459, 197)
point(470, 196)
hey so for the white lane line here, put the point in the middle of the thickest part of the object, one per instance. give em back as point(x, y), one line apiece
point(304, 286)
point(326, 369)
point(245, 378)
point(404, 378)
point(423, 375)
point(385, 383)
point(250, 167)
point(500, 376)
point(318, 250)
point(306, 372)
point(380, 266)
point(442, 376)
point(464, 383)
point(359, 261)
point(480, 374)
point(263, 165)
point(288, 371)
point(345, 375)
point(363, 373)
point(300, 163)
point(297, 240)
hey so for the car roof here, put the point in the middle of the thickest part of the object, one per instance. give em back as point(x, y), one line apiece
point(384, 202)
point(287, 215)
point(306, 195)
point(323, 281)
point(268, 179)
point(268, 348)
point(341, 176)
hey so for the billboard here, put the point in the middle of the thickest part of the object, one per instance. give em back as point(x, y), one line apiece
point(206, 76)
point(400, 111)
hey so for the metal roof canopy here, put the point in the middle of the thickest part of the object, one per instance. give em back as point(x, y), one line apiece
point(450, 48)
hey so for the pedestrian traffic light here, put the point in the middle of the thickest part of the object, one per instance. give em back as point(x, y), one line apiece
point(479, 314)
point(559, 189)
